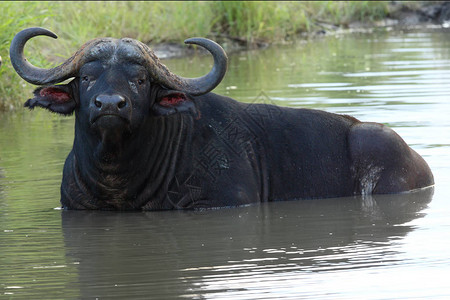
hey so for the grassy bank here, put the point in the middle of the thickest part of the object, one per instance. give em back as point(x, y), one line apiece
point(155, 22)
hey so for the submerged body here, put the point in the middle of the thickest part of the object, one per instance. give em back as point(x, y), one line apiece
point(148, 139)
point(235, 154)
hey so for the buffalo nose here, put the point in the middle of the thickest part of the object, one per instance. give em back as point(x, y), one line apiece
point(110, 101)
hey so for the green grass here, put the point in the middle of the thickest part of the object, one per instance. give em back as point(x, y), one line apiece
point(153, 22)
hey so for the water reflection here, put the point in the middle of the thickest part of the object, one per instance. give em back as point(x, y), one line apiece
point(168, 254)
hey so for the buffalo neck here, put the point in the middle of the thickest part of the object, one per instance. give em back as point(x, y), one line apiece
point(135, 170)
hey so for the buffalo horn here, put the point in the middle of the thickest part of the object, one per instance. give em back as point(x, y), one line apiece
point(40, 76)
point(194, 86)
point(159, 72)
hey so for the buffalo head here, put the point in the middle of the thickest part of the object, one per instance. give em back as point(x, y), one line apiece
point(117, 83)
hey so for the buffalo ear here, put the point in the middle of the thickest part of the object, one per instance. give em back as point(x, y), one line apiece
point(170, 102)
point(56, 98)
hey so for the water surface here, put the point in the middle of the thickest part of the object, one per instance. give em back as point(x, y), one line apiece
point(383, 247)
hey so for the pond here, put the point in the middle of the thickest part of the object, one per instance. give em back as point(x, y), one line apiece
point(383, 247)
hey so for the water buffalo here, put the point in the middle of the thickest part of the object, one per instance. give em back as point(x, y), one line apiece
point(148, 139)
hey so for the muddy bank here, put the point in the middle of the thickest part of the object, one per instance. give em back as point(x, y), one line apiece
point(401, 16)
point(229, 43)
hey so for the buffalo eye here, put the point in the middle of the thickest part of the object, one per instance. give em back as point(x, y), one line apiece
point(85, 78)
point(141, 81)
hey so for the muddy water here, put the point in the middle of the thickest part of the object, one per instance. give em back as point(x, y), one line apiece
point(384, 247)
